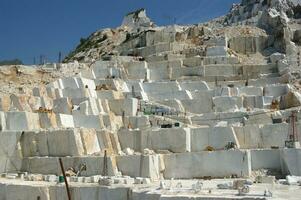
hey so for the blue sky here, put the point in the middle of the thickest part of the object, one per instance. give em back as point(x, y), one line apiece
point(30, 28)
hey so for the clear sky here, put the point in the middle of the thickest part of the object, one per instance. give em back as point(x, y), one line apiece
point(30, 28)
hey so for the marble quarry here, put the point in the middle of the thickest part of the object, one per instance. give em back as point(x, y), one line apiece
point(209, 111)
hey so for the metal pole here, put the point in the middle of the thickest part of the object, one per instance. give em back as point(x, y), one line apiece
point(65, 179)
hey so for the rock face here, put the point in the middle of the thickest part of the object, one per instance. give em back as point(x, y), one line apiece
point(104, 42)
point(273, 16)
point(250, 11)
point(212, 100)
point(136, 21)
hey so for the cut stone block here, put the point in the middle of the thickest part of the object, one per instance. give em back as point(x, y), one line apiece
point(86, 83)
point(90, 141)
point(60, 143)
point(194, 85)
point(251, 91)
point(216, 137)
point(178, 139)
point(88, 121)
point(64, 121)
point(249, 136)
point(128, 106)
point(291, 161)
point(50, 165)
point(248, 44)
point(139, 166)
point(62, 105)
point(22, 121)
point(10, 152)
point(161, 87)
point(276, 90)
point(204, 164)
point(23, 192)
point(222, 104)
point(216, 51)
point(129, 139)
point(48, 120)
point(221, 70)
point(65, 143)
point(266, 159)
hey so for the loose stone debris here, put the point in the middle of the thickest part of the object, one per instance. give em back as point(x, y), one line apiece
point(207, 111)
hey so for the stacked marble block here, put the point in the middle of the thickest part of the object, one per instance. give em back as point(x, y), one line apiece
point(215, 98)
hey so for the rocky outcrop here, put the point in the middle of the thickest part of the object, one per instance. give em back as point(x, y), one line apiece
point(103, 42)
point(137, 21)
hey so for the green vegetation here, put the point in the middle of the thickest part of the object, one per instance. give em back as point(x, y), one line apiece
point(11, 62)
point(86, 43)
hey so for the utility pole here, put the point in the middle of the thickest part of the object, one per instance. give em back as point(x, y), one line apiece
point(41, 59)
point(171, 19)
point(60, 57)
point(44, 59)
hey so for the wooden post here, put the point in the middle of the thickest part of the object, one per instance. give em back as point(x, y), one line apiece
point(65, 179)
